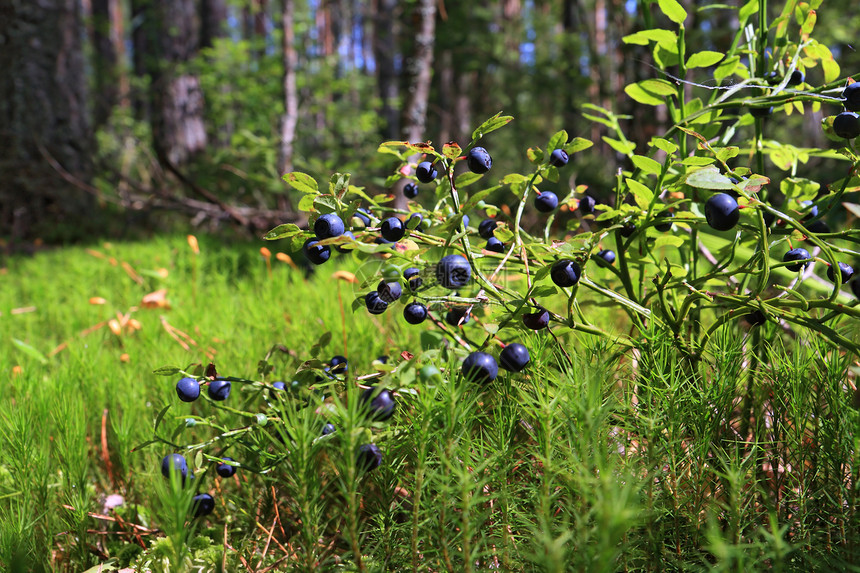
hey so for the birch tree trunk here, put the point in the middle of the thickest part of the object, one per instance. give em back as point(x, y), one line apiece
point(291, 98)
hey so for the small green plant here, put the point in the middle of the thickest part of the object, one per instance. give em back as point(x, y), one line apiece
point(659, 437)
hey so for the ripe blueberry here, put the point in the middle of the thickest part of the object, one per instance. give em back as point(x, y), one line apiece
point(845, 271)
point(188, 389)
point(755, 318)
point(606, 257)
point(546, 202)
point(176, 463)
point(316, 253)
point(456, 315)
point(558, 158)
point(813, 211)
point(479, 160)
point(565, 272)
point(453, 271)
point(480, 367)
point(847, 125)
point(202, 504)
point(426, 172)
point(852, 97)
point(219, 389)
point(627, 230)
point(369, 457)
point(412, 275)
point(328, 225)
point(663, 227)
point(761, 111)
point(389, 291)
point(514, 357)
point(421, 225)
point(495, 245)
point(797, 254)
point(410, 190)
point(797, 78)
point(721, 211)
point(487, 228)
point(379, 403)
point(224, 469)
point(415, 313)
point(328, 429)
point(536, 320)
point(855, 287)
point(278, 385)
point(392, 229)
point(339, 364)
point(586, 205)
point(375, 305)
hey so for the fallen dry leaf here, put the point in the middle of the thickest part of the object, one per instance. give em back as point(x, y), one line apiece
point(344, 276)
point(157, 299)
point(97, 300)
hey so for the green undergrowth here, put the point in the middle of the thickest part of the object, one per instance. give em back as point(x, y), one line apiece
point(591, 460)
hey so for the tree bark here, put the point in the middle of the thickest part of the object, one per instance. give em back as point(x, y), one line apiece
point(213, 15)
point(384, 51)
point(291, 99)
point(170, 34)
point(422, 74)
point(43, 113)
point(105, 61)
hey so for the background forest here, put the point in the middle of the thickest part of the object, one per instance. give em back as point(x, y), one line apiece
point(196, 107)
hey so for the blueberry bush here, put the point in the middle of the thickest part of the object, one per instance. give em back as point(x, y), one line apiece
point(664, 378)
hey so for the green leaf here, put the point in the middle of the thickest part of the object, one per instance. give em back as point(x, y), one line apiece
point(704, 59)
point(659, 87)
point(799, 188)
point(167, 371)
point(668, 240)
point(747, 10)
point(642, 194)
point(544, 291)
point(451, 150)
point(535, 155)
point(578, 144)
point(325, 204)
point(673, 10)
point(160, 416)
point(664, 144)
point(467, 178)
point(696, 161)
point(726, 68)
point(727, 153)
point(30, 351)
point(647, 164)
point(490, 125)
point(658, 35)
point(282, 232)
point(620, 146)
point(709, 178)
point(557, 141)
point(306, 203)
point(642, 95)
point(338, 184)
point(301, 182)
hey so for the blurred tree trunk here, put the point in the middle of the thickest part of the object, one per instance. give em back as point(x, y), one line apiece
point(170, 37)
point(384, 52)
point(43, 117)
point(105, 58)
point(291, 99)
point(421, 68)
point(213, 17)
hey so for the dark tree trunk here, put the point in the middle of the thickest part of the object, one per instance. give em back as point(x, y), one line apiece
point(176, 102)
point(384, 51)
point(44, 125)
point(291, 99)
point(422, 73)
point(104, 62)
point(213, 16)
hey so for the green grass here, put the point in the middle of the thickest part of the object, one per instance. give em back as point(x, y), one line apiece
point(641, 462)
